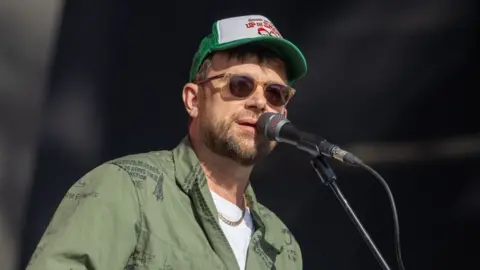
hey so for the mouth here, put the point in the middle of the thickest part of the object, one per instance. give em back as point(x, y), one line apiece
point(247, 123)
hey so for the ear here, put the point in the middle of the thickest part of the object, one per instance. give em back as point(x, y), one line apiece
point(190, 99)
point(285, 112)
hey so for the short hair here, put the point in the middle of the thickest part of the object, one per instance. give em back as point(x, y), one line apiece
point(264, 54)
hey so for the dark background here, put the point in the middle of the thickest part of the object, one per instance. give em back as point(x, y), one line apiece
point(394, 82)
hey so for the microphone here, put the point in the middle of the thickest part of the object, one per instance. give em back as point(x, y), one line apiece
point(276, 127)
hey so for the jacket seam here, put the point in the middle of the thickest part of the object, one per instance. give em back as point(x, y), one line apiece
point(140, 208)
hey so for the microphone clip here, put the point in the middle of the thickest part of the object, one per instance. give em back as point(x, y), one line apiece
point(323, 170)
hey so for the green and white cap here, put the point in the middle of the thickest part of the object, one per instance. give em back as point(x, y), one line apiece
point(232, 32)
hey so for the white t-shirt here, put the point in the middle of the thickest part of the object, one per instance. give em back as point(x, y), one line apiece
point(238, 236)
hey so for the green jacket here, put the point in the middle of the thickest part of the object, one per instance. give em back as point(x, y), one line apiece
point(154, 211)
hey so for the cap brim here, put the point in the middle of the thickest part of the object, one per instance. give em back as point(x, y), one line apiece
point(293, 57)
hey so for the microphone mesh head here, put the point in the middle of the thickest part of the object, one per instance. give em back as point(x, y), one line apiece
point(267, 124)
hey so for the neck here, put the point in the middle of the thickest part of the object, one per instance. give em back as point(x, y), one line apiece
point(224, 176)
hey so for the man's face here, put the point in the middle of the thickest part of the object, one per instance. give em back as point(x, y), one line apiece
point(227, 124)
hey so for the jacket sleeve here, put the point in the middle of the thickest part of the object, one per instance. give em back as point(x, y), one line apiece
point(299, 256)
point(94, 225)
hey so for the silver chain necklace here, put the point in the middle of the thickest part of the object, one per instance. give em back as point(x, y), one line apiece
point(234, 223)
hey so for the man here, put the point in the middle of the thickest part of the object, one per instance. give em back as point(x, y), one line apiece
point(191, 207)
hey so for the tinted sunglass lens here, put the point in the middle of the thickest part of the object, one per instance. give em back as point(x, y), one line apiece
point(277, 94)
point(241, 86)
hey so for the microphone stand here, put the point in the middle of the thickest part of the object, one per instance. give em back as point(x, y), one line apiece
point(328, 177)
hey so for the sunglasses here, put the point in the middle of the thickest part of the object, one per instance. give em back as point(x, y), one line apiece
point(242, 86)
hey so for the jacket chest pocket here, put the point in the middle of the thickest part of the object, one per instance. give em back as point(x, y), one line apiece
point(179, 260)
point(159, 255)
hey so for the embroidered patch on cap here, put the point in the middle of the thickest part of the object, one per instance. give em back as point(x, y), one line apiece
point(232, 29)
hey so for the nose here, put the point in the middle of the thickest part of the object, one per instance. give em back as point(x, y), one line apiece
point(257, 100)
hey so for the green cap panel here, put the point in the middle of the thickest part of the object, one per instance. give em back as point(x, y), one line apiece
point(233, 32)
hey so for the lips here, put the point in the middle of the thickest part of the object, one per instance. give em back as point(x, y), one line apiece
point(247, 122)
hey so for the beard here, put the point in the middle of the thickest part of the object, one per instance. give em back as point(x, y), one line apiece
point(243, 147)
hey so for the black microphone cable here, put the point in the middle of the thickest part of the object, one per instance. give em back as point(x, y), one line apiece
point(398, 251)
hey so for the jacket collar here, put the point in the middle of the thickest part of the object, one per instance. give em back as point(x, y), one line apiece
point(192, 180)
point(188, 171)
